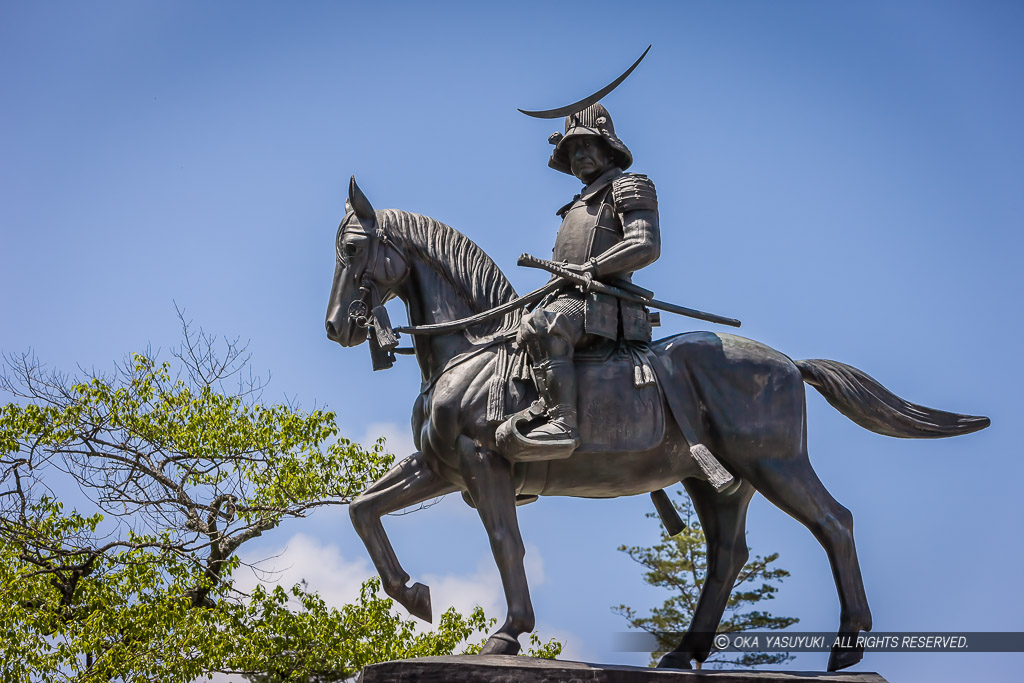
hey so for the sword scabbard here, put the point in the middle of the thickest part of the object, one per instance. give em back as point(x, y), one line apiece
point(598, 286)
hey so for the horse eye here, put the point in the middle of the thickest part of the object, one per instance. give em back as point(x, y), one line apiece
point(351, 249)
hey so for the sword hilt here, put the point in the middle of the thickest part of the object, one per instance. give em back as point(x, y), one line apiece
point(555, 269)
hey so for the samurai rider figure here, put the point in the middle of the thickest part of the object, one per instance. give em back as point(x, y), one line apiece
point(608, 231)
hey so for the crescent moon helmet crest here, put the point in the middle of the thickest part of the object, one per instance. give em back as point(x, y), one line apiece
point(576, 107)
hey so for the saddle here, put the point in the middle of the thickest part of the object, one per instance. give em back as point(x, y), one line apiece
point(621, 408)
point(620, 403)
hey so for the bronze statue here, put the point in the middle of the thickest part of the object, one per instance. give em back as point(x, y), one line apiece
point(608, 418)
point(608, 231)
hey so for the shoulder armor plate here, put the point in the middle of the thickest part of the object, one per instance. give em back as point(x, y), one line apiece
point(634, 192)
point(565, 208)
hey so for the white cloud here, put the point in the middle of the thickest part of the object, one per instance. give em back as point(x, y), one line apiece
point(534, 564)
point(323, 567)
point(483, 588)
point(398, 439)
point(337, 580)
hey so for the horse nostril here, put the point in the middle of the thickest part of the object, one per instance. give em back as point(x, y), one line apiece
point(331, 334)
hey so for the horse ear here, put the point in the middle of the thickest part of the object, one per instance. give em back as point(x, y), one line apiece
point(360, 204)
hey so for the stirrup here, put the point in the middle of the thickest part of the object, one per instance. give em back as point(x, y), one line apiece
point(516, 446)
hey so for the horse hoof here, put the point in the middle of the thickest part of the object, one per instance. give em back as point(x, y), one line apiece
point(675, 660)
point(842, 657)
point(417, 601)
point(500, 644)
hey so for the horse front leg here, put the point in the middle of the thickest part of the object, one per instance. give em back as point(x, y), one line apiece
point(407, 483)
point(488, 478)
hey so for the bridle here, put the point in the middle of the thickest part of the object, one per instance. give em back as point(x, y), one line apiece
point(368, 310)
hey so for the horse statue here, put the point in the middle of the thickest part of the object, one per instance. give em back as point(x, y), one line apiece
point(746, 401)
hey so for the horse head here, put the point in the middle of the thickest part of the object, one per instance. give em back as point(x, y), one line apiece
point(368, 270)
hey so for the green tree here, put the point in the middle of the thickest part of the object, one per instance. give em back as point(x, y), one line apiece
point(176, 466)
point(679, 564)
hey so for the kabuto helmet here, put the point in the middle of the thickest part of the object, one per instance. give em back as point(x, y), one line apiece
point(594, 120)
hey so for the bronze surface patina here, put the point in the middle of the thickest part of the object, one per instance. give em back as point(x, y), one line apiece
point(562, 392)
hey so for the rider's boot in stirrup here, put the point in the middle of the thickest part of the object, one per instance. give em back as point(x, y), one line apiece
point(547, 430)
point(556, 385)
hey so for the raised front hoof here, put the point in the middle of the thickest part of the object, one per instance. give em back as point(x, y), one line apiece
point(675, 660)
point(842, 657)
point(501, 644)
point(417, 600)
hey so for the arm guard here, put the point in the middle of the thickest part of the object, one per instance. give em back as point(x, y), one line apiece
point(636, 203)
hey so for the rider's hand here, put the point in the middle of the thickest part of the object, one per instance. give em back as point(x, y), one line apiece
point(581, 268)
point(584, 269)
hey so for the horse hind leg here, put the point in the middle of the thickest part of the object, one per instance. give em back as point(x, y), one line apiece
point(724, 520)
point(408, 483)
point(793, 486)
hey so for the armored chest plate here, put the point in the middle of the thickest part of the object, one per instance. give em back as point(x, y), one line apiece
point(589, 227)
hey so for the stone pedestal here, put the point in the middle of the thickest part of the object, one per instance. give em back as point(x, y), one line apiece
point(509, 669)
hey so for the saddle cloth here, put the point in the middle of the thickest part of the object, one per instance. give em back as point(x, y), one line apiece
point(619, 399)
point(620, 404)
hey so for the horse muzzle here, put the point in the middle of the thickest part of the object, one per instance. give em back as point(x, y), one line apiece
point(343, 329)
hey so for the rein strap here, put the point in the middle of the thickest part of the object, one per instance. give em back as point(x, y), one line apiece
point(463, 323)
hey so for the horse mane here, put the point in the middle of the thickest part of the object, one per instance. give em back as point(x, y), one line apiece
point(476, 279)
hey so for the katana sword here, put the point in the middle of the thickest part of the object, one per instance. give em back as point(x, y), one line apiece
point(590, 284)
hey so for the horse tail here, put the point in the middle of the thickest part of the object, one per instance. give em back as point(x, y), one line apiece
point(862, 399)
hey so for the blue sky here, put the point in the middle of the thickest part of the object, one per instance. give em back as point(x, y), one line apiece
point(846, 178)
